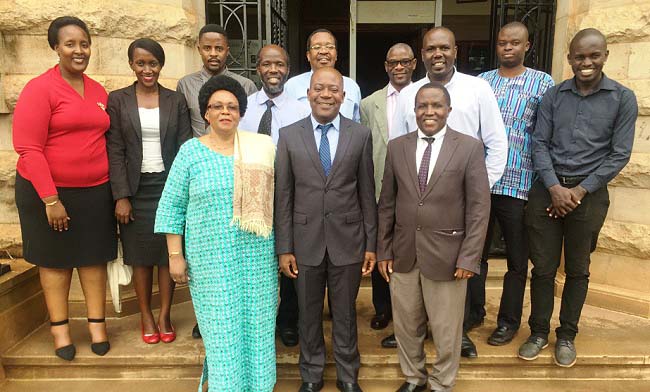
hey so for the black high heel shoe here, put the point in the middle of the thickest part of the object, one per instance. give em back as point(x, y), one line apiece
point(100, 348)
point(66, 352)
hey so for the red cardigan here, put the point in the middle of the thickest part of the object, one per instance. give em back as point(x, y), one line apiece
point(60, 135)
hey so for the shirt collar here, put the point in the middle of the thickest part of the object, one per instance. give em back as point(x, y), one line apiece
point(391, 90)
point(451, 81)
point(205, 74)
point(336, 122)
point(604, 84)
point(437, 136)
point(279, 101)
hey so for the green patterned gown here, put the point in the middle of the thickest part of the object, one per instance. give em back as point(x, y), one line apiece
point(233, 273)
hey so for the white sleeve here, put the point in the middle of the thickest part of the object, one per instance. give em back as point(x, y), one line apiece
point(492, 132)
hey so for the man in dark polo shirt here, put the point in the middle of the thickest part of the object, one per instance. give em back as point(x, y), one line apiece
point(582, 140)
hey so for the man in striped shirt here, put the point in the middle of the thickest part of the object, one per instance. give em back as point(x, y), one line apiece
point(519, 92)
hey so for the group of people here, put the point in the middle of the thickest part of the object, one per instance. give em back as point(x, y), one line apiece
point(219, 185)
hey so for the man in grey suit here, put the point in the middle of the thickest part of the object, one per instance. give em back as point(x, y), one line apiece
point(326, 226)
point(433, 215)
point(377, 114)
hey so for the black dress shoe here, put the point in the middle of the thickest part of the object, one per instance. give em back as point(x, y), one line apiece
point(288, 336)
point(408, 387)
point(196, 332)
point(501, 336)
point(380, 321)
point(311, 386)
point(348, 386)
point(389, 342)
point(467, 347)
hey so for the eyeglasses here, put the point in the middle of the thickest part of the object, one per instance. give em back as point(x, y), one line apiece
point(219, 107)
point(317, 48)
point(403, 62)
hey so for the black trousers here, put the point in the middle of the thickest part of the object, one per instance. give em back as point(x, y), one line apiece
point(578, 232)
point(509, 212)
point(288, 309)
point(343, 286)
point(381, 294)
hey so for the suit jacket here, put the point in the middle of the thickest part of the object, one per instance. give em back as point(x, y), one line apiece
point(444, 228)
point(314, 213)
point(373, 116)
point(124, 137)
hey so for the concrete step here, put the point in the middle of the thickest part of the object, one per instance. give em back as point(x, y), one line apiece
point(611, 346)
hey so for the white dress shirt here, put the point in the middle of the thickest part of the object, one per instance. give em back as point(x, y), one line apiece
point(285, 111)
point(297, 87)
point(152, 161)
point(435, 150)
point(391, 103)
point(475, 112)
point(332, 134)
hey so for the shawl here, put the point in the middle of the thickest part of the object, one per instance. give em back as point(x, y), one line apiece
point(254, 183)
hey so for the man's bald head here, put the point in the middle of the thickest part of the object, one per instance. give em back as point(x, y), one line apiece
point(444, 30)
point(400, 46)
point(325, 94)
point(516, 26)
point(326, 71)
point(589, 33)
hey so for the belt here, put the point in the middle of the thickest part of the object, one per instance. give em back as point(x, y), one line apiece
point(570, 180)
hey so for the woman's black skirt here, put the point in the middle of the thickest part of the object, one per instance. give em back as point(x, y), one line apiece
point(91, 237)
point(140, 245)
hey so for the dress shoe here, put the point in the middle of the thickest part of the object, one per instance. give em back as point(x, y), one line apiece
point(66, 352)
point(288, 336)
point(196, 332)
point(167, 337)
point(380, 321)
point(501, 336)
point(408, 387)
point(311, 386)
point(467, 348)
point(99, 348)
point(389, 342)
point(529, 351)
point(565, 353)
point(348, 386)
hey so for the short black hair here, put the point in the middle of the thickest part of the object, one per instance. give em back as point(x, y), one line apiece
point(212, 28)
point(150, 46)
point(588, 32)
point(60, 22)
point(222, 82)
point(436, 86)
point(320, 31)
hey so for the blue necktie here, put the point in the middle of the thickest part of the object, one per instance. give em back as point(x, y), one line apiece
point(324, 150)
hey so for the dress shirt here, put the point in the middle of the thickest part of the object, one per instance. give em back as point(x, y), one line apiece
point(475, 113)
point(332, 134)
point(435, 150)
point(297, 88)
point(190, 85)
point(391, 103)
point(285, 111)
point(518, 98)
point(152, 161)
point(589, 135)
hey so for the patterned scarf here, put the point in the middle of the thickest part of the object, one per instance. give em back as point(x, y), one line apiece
point(254, 183)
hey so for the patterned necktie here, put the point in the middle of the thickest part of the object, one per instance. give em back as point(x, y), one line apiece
point(324, 150)
point(423, 173)
point(265, 122)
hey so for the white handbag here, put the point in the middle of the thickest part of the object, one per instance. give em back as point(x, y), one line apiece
point(119, 274)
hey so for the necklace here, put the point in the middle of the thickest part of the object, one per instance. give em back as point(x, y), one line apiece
point(215, 145)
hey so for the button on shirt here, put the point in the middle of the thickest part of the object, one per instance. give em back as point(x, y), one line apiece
point(590, 135)
point(285, 111)
point(332, 134)
point(475, 113)
point(435, 150)
point(297, 87)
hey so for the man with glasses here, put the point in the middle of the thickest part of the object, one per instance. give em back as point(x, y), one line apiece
point(321, 52)
point(377, 113)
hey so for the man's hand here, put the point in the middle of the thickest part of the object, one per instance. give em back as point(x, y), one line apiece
point(385, 269)
point(288, 265)
point(562, 201)
point(463, 274)
point(369, 260)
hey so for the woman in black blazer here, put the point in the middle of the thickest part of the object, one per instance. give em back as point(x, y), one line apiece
point(148, 125)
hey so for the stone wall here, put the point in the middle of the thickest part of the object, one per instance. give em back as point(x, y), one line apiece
point(620, 270)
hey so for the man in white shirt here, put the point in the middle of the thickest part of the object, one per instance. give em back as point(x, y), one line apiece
point(476, 112)
point(321, 52)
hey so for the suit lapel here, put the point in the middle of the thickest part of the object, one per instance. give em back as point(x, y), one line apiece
point(410, 145)
point(345, 134)
point(164, 103)
point(310, 144)
point(449, 145)
point(132, 107)
point(381, 119)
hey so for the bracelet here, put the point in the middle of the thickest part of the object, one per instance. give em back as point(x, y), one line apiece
point(50, 204)
point(174, 254)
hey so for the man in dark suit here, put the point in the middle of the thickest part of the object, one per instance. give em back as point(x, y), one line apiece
point(326, 226)
point(433, 215)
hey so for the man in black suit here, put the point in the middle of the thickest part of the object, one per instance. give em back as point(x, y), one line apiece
point(326, 226)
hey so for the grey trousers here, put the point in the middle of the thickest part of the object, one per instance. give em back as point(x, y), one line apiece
point(415, 297)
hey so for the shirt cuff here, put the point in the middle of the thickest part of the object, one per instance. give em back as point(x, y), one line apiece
point(591, 184)
point(549, 178)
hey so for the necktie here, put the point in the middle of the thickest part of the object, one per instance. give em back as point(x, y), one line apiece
point(423, 173)
point(265, 121)
point(324, 150)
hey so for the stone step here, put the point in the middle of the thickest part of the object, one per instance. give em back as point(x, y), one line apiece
point(611, 346)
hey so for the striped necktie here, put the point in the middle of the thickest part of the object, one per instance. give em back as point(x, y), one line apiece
point(324, 150)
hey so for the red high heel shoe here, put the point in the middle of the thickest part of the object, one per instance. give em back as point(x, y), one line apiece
point(150, 338)
point(167, 337)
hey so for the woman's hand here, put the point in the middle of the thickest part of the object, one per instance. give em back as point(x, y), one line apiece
point(178, 268)
point(57, 216)
point(123, 211)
